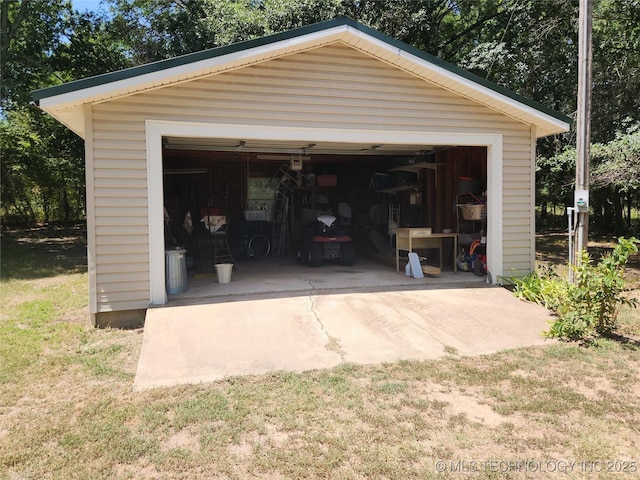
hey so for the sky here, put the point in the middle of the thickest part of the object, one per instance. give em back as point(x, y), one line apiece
point(84, 5)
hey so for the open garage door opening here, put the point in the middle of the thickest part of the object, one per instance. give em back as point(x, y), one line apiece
point(257, 204)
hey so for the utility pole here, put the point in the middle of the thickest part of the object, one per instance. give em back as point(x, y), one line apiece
point(583, 129)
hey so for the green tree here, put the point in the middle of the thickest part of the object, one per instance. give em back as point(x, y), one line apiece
point(616, 176)
point(42, 168)
point(615, 180)
point(528, 46)
point(616, 67)
point(46, 43)
point(159, 29)
point(31, 30)
point(555, 179)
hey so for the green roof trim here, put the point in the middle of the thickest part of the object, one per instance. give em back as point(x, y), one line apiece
point(186, 59)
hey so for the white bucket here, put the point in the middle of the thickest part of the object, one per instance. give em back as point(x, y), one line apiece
point(223, 270)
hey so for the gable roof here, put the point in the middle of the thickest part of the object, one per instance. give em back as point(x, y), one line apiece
point(65, 102)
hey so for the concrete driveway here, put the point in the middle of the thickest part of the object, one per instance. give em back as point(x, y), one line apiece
point(207, 342)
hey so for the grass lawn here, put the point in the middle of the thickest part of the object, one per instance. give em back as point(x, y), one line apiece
point(68, 411)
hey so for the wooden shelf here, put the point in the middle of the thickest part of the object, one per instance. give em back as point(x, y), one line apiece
point(414, 167)
point(417, 167)
point(401, 188)
point(313, 187)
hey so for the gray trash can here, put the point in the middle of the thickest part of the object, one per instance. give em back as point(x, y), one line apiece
point(175, 270)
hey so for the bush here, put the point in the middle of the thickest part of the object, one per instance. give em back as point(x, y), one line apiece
point(546, 288)
point(590, 305)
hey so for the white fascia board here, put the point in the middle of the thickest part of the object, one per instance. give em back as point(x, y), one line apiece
point(557, 125)
point(188, 71)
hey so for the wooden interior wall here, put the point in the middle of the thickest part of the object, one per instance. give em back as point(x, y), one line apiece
point(223, 187)
point(228, 171)
point(453, 163)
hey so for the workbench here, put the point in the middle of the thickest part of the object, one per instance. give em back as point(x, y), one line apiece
point(411, 239)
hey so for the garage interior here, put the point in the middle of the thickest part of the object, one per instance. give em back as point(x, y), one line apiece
point(219, 194)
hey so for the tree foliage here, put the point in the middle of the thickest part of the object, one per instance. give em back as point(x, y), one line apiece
point(616, 67)
point(528, 46)
point(615, 178)
point(45, 43)
point(617, 163)
point(31, 30)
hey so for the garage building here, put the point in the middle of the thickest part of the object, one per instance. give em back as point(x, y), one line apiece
point(376, 132)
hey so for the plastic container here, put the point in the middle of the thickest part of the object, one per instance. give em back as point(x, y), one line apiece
point(175, 270)
point(381, 180)
point(473, 212)
point(223, 270)
point(213, 223)
point(402, 178)
point(258, 215)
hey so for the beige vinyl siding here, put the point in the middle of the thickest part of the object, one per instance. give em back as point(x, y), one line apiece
point(121, 214)
point(328, 87)
point(517, 204)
